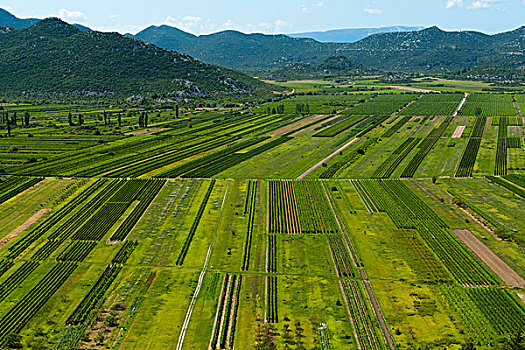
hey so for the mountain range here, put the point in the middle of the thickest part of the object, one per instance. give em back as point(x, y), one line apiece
point(351, 35)
point(427, 50)
point(56, 58)
point(53, 56)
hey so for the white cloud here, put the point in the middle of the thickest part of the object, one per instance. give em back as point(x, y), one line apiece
point(192, 24)
point(454, 3)
point(276, 27)
point(322, 3)
point(199, 25)
point(373, 11)
point(67, 15)
point(482, 4)
point(304, 8)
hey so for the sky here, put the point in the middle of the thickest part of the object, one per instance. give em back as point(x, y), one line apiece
point(276, 16)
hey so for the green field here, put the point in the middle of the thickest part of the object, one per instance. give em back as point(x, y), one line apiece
point(341, 216)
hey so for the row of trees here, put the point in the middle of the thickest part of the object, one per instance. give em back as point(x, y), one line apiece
point(13, 120)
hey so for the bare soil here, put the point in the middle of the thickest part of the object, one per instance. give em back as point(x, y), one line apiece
point(12, 235)
point(500, 268)
point(459, 132)
point(348, 144)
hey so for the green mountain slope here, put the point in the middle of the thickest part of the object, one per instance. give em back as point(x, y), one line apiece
point(334, 66)
point(54, 57)
point(238, 50)
point(431, 49)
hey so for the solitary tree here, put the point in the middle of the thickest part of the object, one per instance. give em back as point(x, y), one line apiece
point(8, 128)
point(119, 120)
point(26, 119)
point(70, 119)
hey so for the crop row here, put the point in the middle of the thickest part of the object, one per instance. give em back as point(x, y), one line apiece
point(421, 259)
point(336, 129)
point(147, 195)
point(199, 162)
point(479, 127)
point(385, 170)
point(434, 105)
point(508, 185)
point(394, 128)
point(90, 301)
point(500, 166)
point(53, 219)
point(488, 313)
point(516, 179)
point(271, 254)
point(16, 278)
point(366, 327)
point(272, 315)
point(77, 251)
point(125, 252)
point(215, 167)
point(315, 214)
point(195, 224)
point(383, 105)
point(366, 126)
point(22, 312)
point(513, 142)
point(349, 158)
point(425, 148)
point(86, 210)
point(47, 249)
point(487, 109)
point(128, 192)
point(408, 211)
point(466, 165)
point(15, 186)
point(282, 206)
point(101, 222)
point(223, 334)
point(161, 161)
point(249, 209)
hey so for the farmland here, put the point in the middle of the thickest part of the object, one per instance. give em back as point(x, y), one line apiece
point(329, 218)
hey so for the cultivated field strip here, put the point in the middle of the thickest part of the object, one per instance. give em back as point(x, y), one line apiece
point(224, 327)
point(145, 197)
point(14, 186)
point(407, 211)
point(22, 312)
point(370, 327)
point(249, 211)
point(466, 165)
point(195, 225)
point(385, 170)
point(425, 147)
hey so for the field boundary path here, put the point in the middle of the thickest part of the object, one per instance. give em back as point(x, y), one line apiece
point(413, 89)
point(494, 262)
point(201, 276)
point(346, 145)
point(13, 234)
point(461, 104)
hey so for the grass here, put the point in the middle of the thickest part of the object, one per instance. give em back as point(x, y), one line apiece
point(155, 293)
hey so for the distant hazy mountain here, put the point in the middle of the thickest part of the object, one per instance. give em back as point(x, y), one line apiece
point(351, 35)
point(9, 20)
point(53, 57)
